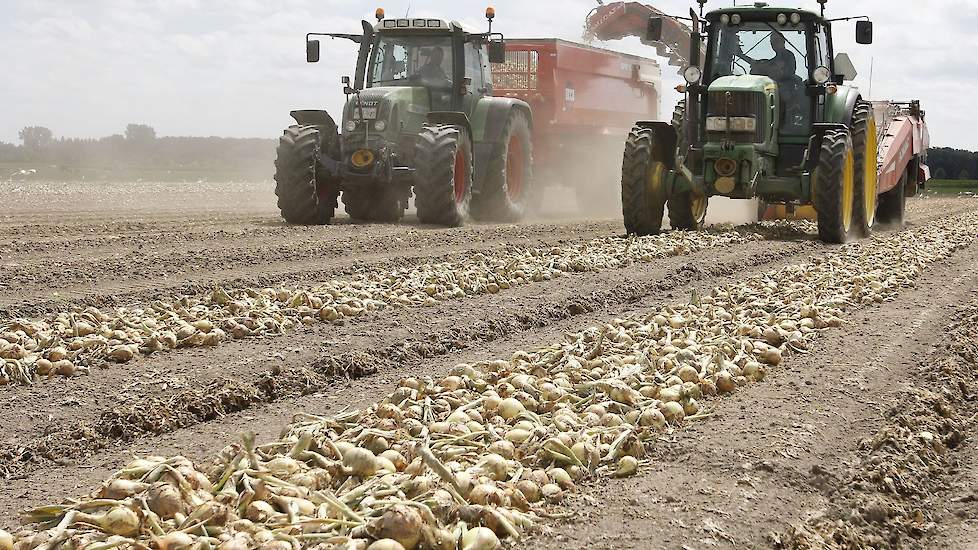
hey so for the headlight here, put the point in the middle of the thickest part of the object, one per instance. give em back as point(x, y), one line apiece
point(380, 125)
point(724, 19)
point(692, 74)
point(795, 18)
point(821, 75)
point(350, 125)
point(737, 124)
point(782, 19)
point(735, 19)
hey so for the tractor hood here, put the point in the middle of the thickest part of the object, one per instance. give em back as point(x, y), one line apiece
point(743, 83)
point(394, 105)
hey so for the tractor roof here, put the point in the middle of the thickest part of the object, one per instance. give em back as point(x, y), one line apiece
point(413, 24)
point(761, 8)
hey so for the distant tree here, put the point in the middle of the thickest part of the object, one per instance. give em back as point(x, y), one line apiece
point(964, 174)
point(140, 133)
point(36, 137)
point(940, 174)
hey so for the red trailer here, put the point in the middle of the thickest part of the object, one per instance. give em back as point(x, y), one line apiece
point(584, 100)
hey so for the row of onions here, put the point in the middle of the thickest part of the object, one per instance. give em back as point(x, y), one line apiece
point(74, 341)
point(474, 459)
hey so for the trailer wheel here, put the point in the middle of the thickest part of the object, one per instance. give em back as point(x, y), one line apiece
point(506, 193)
point(892, 204)
point(835, 186)
point(687, 211)
point(443, 175)
point(379, 205)
point(295, 178)
point(864, 142)
point(643, 193)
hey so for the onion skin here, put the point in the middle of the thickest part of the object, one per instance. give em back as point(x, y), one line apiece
point(386, 544)
point(480, 538)
point(402, 524)
point(6, 540)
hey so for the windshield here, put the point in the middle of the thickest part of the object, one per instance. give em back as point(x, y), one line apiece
point(760, 48)
point(412, 61)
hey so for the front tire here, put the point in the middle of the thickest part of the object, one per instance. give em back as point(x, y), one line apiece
point(835, 187)
point(443, 185)
point(378, 205)
point(643, 193)
point(506, 193)
point(295, 177)
point(864, 143)
point(687, 211)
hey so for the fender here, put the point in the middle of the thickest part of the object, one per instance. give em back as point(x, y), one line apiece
point(839, 106)
point(451, 118)
point(313, 117)
point(492, 113)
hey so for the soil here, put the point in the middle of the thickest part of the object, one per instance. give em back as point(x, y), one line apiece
point(774, 461)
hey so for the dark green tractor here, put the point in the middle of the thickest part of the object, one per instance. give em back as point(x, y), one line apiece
point(769, 113)
point(419, 116)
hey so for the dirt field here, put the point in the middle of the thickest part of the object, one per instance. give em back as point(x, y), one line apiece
point(786, 462)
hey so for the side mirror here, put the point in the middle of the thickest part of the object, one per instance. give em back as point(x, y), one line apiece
point(497, 51)
point(653, 32)
point(864, 32)
point(312, 51)
point(346, 85)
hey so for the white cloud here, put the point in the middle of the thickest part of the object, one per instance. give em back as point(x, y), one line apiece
point(236, 67)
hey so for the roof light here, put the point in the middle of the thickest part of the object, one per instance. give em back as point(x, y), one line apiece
point(418, 23)
point(782, 19)
point(735, 19)
point(795, 18)
point(403, 23)
point(434, 23)
point(724, 19)
point(490, 13)
point(379, 14)
point(389, 23)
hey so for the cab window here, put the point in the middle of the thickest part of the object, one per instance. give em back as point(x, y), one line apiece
point(473, 66)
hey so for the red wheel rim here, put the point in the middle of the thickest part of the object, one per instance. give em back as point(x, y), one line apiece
point(460, 176)
point(514, 168)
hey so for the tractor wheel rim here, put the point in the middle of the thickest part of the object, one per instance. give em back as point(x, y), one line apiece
point(848, 189)
point(870, 176)
point(656, 171)
point(514, 168)
point(459, 182)
point(699, 208)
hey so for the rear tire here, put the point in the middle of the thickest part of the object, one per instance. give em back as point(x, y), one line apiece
point(505, 196)
point(893, 204)
point(865, 153)
point(687, 211)
point(443, 184)
point(296, 160)
point(834, 187)
point(643, 196)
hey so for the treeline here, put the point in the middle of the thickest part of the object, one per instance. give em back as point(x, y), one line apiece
point(138, 153)
point(952, 164)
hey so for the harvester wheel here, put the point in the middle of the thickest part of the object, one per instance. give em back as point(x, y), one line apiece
point(379, 205)
point(835, 186)
point(892, 204)
point(643, 192)
point(864, 141)
point(508, 186)
point(443, 184)
point(687, 211)
point(295, 178)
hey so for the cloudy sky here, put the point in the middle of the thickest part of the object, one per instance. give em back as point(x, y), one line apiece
point(236, 67)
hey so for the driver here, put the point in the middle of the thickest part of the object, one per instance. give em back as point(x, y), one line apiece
point(780, 67)
point(432, 71)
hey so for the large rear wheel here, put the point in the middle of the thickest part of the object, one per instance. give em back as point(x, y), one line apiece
point(864, 141)
point(443, 185)
point(296, 161)
point(643, 192)
point(835, 186)
point(507, 190)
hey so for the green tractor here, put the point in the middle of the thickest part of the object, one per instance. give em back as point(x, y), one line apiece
point(419, 116)
point(768, 114)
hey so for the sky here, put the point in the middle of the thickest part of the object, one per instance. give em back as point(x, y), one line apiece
point(86, 68)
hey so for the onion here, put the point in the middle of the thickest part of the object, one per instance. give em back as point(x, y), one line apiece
point(117, 521)
point(486, 493)
point(652, 418)
point(529, 489)
point(386, 544)
point(118, 489)
point(402, 524)
point(496, 467)
point(6, 540)
point(165, 500)
point(510, 408)
point(688, 374)
point(673, 411)
point(503, 448)
point(627, 465)
point(359, 462)
point(725, 382)
point(480, 538)
point(175, 541)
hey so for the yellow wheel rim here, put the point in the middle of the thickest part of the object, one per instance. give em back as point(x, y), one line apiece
point(699, 208)
point(870, 181)
point(656, 171)
point(848, 189)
